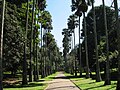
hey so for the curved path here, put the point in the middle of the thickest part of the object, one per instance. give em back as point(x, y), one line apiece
point(61, 83)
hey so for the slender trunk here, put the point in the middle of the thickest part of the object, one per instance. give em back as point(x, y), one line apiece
point(98, 76)
point(34, 54)
point(31, 43)
point(46, 53)
point(1, 43)
point(42, 58)
point(72, 68)
point(118, 36)
point(107, 79)
point(44, 70)
point(34, 45)
point(37, 71)
point(75, 57)
point(24, 76)
point(86, 48)
point(24, 80)
point(80, 63)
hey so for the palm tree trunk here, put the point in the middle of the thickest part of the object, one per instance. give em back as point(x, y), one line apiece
point(24, 79)
point(80, 63)
point(118, 36)
point(31, 43)
point(34, 55)
point(46, 53)
point(86, 48)
point(72, 68)
point(34, 47)
point(98, 76)
point(107, 80)
point(1, 43)
point(75, 57)
point(42, 66)
point(37, 71)
point(42, 63)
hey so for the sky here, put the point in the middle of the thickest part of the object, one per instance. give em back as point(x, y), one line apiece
point(60, 11)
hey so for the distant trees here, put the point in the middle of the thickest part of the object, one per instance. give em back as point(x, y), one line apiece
point(66, 46)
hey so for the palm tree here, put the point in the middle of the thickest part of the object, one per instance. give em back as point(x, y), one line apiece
point(98, 76)
point(72, 23)
point(1, 42)
point(24, 79)
point(79, 14)
point(31, 44)
point(65, 41)
point(118, 36)
point(86, 49)
point(107, 80)
point(83, 7)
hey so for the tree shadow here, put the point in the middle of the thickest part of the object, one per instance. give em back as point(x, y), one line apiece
point(23, 86)
point(68, 77)
point(113, 76)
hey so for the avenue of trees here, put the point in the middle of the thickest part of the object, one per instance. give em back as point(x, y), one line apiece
point(27, 46)
point(99, 46)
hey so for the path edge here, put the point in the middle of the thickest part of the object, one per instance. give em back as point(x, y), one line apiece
point(74, 83)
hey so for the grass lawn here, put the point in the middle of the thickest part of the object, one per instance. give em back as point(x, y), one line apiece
point(40, 85)
point(89, 84)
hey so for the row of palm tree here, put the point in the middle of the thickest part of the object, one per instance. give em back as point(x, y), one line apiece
point(80, 8)
point(38, 16)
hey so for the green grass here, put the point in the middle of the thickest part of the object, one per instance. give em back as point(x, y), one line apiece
point(89, 84)
point(40, 85)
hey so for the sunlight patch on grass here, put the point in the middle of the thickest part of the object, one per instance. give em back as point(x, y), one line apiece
point(41, 85)
point(89, 84)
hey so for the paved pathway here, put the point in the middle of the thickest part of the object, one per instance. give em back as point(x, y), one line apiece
point(61, 83)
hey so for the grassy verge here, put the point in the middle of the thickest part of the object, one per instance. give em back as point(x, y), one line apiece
point(89, 84)
point(40, 85)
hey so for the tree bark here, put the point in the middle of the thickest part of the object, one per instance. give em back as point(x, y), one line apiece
point(1, 43)
point(98, 76)
point(24, 80)
point(75, 56)
point(86, 48)
point(31, 44)
point(107, 79)
point(80, 63)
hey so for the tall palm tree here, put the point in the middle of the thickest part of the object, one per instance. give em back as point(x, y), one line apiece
point(24, 79)
point(79, 14)
point(118, 36)
point(1, 42)
point(86, 49)
point(41, 6)
point(84, 7)
point(72, 23)
point(31, 43)
point(81, 6)
point(80, 63)
point(34, 44)
point(66, 46)
point(98, 76)
point(107, 80)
